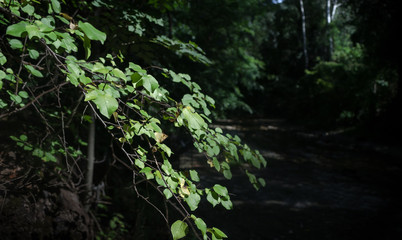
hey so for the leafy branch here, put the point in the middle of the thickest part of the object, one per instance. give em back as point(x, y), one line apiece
point(122, 98)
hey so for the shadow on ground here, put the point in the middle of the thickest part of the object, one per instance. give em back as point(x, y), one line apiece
point(320, 185)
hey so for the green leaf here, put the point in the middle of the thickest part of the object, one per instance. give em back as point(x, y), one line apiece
point(148, 172)
point(139, 163)
point(233, 151)
point(136, 68)
point(255, 161)
point(34, 54)
point(3, 59)
point(213, 198)
point(168, 194)
point(15, 98)
point(135, 78)
point(91, 32)
point(65, 21)
point(155, 127)
point(194, 120)
point(14, 138)
point(47, 25)
point(68, 43)
point(38, 153)
point(28, 147)
point(201, 225)
point(262, 182)
point(189, 100)
point(17, 29)
point(84, 79)
point(29, 9)
point(87, 46)
point(165, 148)
point(56, 6)
point(33, 31)
point(167, 167)
point(23, 137)
point(227, 174)
point(23, 94)
point(216, 164)
point(49, 157)
point(2, 104)
point(104, 101)
point(221, 190)
point(172, 183)
point(73, 68)
point(149, 83)
point(73, 79)
point(226, 203)
point(99, 67)
point(118, 73)
point(218, 233)
point(179, 229)
point(33, 71)
point(194, 176)
point(193, 200)
point(16, 44)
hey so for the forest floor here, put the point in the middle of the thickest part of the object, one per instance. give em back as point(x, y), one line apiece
point(320, 185)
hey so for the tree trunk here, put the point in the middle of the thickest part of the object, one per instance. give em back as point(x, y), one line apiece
point(91, 158)
point(304, 34)
point(330, 12)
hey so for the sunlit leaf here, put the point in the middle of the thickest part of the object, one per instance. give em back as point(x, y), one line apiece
point(221, 190)
point(33, 31)
point(29, 9)
point(17, 29)
point(3, 59)
point(194, 176)
point(149, 83)
point(193, 119)
point(148, 172)
point(23, 94)
point(33, 71)
point(92, 32)
point(201, 225)
point(56, 6)
point(193, 200)
point(104, 101)
point(179, 229)
point(218, 233)
point(118, 73)
point(168, 194)
point(16, 44)
point(34, 54)
point(165, 148)
point(213, 198)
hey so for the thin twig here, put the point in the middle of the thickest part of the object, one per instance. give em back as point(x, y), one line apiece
point(33, 100)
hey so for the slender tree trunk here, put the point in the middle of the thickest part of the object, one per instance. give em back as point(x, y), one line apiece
point(329, 20)
point(304, 35)
point(91, 158)
point(331, 10)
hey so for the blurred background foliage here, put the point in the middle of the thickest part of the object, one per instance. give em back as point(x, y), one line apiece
point(255, 62)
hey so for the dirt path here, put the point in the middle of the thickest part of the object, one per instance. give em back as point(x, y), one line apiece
point(319, 186)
